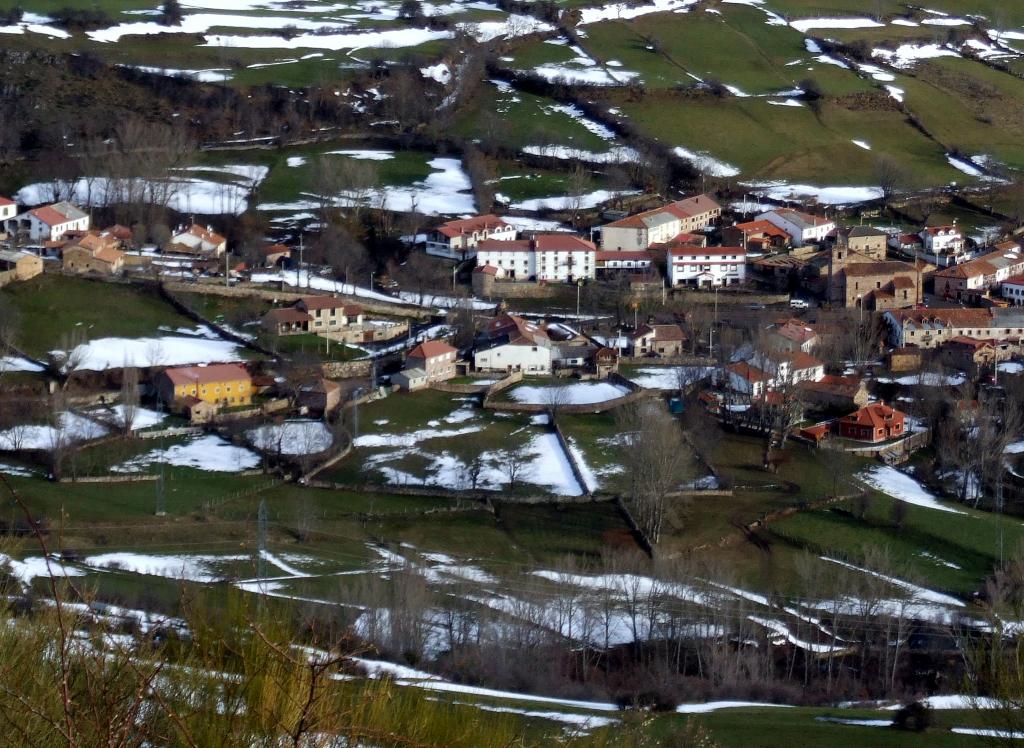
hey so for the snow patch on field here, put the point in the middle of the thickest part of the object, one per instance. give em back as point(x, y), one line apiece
point(668, 377)
point(387, 39)
point(623, 11)
point(298, 437)
point(827, 195)
point(705, 163)
point(68, 429)
point(208, 452)
point(114, 353)
point(806, 24)
point(902, 487)
point(193, 568)
point(582, 393)
point(907, 55)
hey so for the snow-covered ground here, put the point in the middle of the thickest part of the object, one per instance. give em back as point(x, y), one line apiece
point(194, 568)
point(705, 163)
point(16, 363)
point(828, 195)
point(67, 429)
point(580, 393)
point(208, 452)
point(298, 437)
point(668, 377)
point(901, 486)
point(167, 350)
point(185, 194)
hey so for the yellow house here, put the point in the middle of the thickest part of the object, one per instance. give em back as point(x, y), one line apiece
point(220, 384)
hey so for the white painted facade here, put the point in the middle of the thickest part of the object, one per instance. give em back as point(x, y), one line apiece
point(529, 358)
point(797, 226)
point(943, 240)
point(706, 266)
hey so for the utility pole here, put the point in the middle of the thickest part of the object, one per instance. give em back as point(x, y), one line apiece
point(302, 248)
point(355, 416)
point(227, 274)
point(161, 509)
point(261, 543)
point(579, 285)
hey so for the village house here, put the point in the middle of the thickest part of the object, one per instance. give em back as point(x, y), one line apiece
point(328, 313)
point(792, 335)
point(928, 328)
point(705, 266)
point(217, 384)
point(782, 271)
point(757, 236)
point(514, 344)
point(197, 240)
point(972, 356)
point(745, 379)
point(320, 396)
point(873, 423)
point(876, 285)
point(969, 280)
point(944, 244)
point(93, 252)
point(863, 241)
point(18, 266)
point(909, 245)
point(661, 340)
point(435, 358)
point(457, 240)
point(660, 225)
point(1012, 289)
point(48, 223)
point(545, 258)
point(833, 392)
point(275, 255)
point(803, 228)
point(788, 368)
point(8, 209)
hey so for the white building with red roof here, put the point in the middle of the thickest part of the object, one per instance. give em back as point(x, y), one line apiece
point(804, 228)
point(457, 240)
point(551, 258)
point(198, 240)
point(435, 358)
point(48, 223)
point(8, 208)
point(515, 344)
point(659, 225)
point(691, 265)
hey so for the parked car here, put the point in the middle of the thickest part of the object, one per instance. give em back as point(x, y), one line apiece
point(799, 304)
point(756, 306)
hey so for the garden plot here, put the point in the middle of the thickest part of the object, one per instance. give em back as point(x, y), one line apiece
point(209, 453)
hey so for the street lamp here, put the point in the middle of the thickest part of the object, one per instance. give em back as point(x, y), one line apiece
point(579, 285)
point(454, 271)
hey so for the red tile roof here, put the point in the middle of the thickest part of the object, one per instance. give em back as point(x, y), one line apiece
point(875, 415)
point(469, 225)
point(431, 349)
point(686, 250)
point(206, 374)
point(49, 216)
point(329, 302)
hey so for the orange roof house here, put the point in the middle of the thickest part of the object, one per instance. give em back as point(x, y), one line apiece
point(873, 423)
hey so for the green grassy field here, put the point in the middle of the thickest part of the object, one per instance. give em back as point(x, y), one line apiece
point(51, 308)
point(735, 47)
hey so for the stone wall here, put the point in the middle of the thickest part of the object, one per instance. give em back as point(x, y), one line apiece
point(347, 369)
point(486, 286)
point(244, 289)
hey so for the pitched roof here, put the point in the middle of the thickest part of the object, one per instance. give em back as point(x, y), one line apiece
point(288, 314)
point(329, 302)
point(49, 215)
point(795, 330)
point(431, 349)
point(762, 226)
point(746, 371)
point(875, 415)
point(799, 361)
point(986, 264)
point(668, 332)
point(6, 201)
point(108, 255)
point(206, 374)
point(853, 232)
point(562, 243)
point(497, 245)
point(469, 225)
point(680, 209)
point(888, 267)
point(204, 233)
point(937, 230)
point(833, 385)
point(801, 219)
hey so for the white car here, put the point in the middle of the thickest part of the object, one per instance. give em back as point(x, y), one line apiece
point(799, 304)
